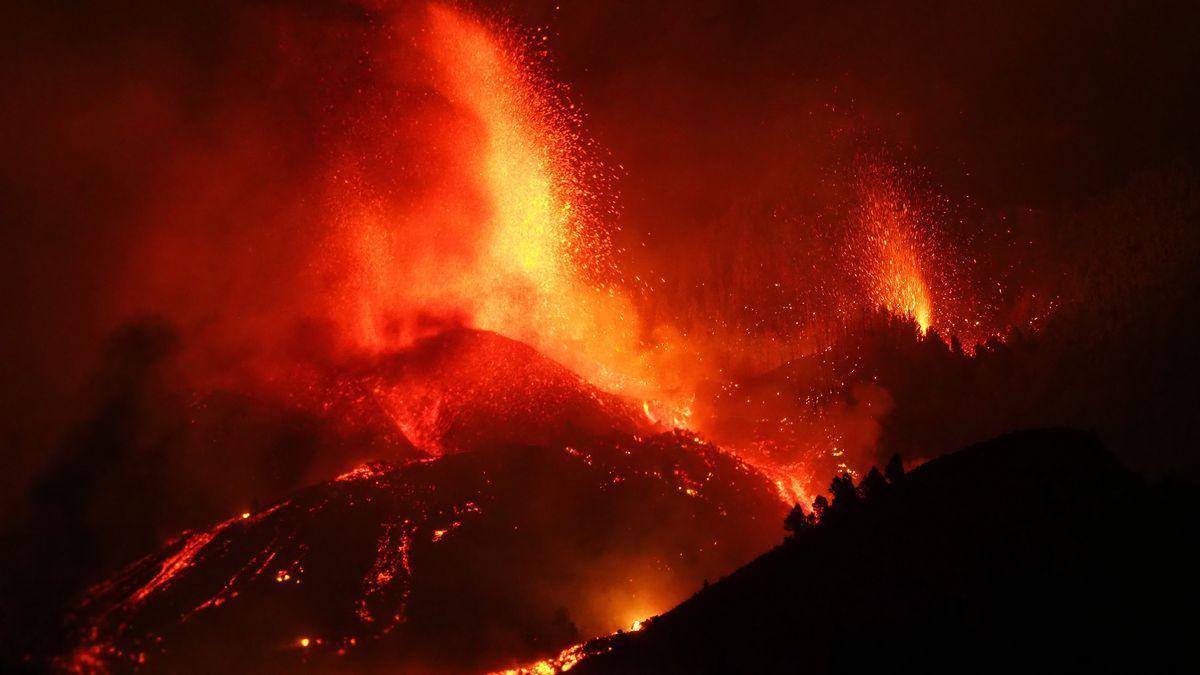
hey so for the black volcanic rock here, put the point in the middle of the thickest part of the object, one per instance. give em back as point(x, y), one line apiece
point(473, 560)
point(1032, 552)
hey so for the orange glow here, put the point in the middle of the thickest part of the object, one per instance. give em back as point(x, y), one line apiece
point(792, 488)
point(509, 229)
point(558, 664)
point(546, 274)
point(531, 258)
point(569, 657)
point(519, 242)
point(894, 250)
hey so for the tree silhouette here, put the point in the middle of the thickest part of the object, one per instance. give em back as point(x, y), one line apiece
point(845, 496)
point(873, 485)
point(820, 507)
point(894, 471)
point(797, 520)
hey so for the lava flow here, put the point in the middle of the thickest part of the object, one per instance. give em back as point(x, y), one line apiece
point(382, 566)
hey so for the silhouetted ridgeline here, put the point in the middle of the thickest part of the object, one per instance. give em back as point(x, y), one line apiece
point(1034, 551)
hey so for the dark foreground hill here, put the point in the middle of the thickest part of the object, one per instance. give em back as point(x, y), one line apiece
point(1032, 552)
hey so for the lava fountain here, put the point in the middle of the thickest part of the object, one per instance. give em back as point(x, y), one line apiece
point(530, 258)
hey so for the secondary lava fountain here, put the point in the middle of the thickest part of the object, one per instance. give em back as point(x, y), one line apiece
point(895, 248)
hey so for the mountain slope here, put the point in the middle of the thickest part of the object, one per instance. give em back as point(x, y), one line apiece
point(1035, 550)
point(464, 562)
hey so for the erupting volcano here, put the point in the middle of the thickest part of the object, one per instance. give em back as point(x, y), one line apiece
point(437, 337)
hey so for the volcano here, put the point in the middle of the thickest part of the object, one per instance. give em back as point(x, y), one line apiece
point(544, 513)
point(462, 336)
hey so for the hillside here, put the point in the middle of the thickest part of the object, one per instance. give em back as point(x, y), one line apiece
point(1031, 551)
point(455, 564)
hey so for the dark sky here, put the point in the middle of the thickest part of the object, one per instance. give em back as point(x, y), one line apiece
point(113, 110)
point(1015, 103)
